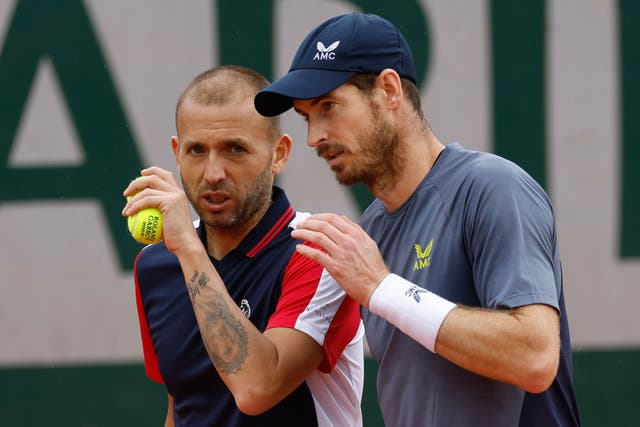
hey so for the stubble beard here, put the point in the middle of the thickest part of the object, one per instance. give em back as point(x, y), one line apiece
point(248, 210)
point(379, 161)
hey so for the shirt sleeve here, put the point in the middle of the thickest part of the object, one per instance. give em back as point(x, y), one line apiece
point(312, 302)
point(151, 365)
point(510, 236)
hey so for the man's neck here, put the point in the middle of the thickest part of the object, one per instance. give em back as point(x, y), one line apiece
point(222, 240)
point(420, 155)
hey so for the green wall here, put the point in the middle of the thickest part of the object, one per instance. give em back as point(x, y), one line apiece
point(120, 395)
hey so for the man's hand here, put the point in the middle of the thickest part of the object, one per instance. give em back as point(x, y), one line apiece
point(158, 188)
point(350, 255)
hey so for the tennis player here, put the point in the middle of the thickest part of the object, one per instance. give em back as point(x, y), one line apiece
point(459, 277)
point(242, 329)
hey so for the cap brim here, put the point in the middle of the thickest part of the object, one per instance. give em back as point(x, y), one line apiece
point(302, 83)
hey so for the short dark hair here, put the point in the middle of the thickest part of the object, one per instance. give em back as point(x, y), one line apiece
point(366, 81)
point(224, 84)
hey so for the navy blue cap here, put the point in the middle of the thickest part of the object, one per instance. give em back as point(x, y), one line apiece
point(334, 52)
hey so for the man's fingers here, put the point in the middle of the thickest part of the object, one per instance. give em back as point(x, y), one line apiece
point(334, 227)
point(152, 177)
point(350, 222)
point(144, 199)
point(163, 174)
point(151, 189)
point(314, 254)
point(341, 223)
point(348, 238)
point(315, 236)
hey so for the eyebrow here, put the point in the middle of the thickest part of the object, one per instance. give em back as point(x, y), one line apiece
point(188, 142)
point(317, 100)
point(313, 103)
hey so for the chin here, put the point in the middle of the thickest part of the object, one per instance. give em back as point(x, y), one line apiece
point(346, 180)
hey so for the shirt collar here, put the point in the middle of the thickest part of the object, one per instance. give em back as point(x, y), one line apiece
point(277, 217)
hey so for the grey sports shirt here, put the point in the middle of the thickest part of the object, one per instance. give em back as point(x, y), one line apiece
point(477, 231)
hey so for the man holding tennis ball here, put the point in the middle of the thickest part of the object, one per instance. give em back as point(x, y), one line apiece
point(241, 328)
point(146, 225)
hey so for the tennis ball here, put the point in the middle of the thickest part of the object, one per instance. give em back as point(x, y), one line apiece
point(146, 225)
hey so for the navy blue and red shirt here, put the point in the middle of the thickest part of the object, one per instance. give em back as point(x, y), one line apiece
point(275, 287)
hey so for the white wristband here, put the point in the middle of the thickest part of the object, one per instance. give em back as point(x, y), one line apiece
point(412, 309)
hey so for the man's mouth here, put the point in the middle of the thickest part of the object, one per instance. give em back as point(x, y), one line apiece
point(330, 153)
point(216, 201)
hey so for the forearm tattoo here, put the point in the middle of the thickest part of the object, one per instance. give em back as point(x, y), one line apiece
point(196, 282)
point(224, 336)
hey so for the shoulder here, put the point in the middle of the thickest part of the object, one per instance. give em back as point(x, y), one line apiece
point(484, 167)
point(495, 169)
point(500, 178)
point(459, 161)
point(483, 188)
point(485, 174)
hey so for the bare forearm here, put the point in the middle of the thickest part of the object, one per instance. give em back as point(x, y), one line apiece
point(259, 369)
point(225, 331)
point(520, 346)
point(257, 373)
point(224, 334)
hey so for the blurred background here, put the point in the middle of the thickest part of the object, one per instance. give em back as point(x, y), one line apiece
point(87, 98)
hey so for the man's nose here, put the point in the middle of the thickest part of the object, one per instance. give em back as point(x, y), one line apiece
point(316, 134)
point(214, 171)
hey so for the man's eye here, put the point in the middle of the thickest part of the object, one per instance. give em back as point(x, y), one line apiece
point(326, 106)
point(196, 149)
point(237, 149)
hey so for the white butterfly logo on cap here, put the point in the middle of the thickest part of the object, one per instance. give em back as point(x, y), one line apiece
point(326, 52)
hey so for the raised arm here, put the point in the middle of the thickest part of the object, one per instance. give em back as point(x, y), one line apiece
point(518, 346)
point(259, 369)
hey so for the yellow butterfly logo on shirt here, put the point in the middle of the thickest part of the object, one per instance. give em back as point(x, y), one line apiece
point(424, 256)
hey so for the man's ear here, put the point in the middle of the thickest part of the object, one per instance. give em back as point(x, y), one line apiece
point(389, 81)
point(281, 152)
point(175, 147)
